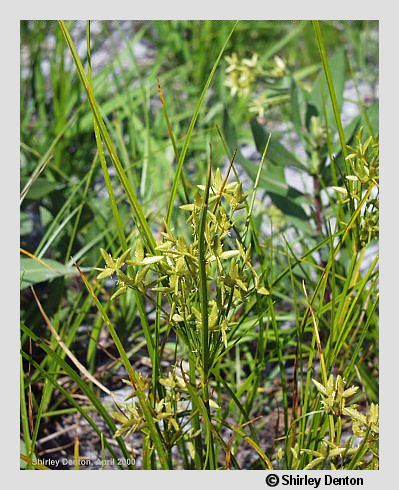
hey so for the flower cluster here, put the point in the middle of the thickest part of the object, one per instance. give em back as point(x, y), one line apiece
point(364, 163)
point(174, 270)
point(334, 395)
point(337, 452)
point(167, 409)
point(336, 402)
point(242, 77)
point(241, 74)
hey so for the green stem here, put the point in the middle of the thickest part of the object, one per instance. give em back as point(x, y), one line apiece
point(203, 290)
point(333, 97)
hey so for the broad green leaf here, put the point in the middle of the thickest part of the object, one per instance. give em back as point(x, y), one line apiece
point(272, 178)
point(276, 152)
point(23, 450)
point(34, 271)
point(298, 109)
point(26, 224)
point(41, 187)
point(373, 117)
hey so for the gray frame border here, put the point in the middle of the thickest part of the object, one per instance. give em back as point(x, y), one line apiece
point(173, 9)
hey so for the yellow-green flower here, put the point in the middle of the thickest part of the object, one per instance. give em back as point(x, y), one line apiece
point(241, 74)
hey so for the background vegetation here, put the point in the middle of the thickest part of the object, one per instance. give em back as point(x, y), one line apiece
point(265, 135)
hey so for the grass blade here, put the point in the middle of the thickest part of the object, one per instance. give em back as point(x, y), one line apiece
point(186, 143)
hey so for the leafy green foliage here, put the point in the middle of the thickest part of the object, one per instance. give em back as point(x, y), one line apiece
point(35, 271)
point(235, 292)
